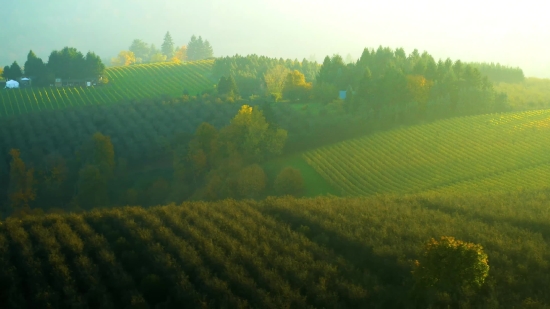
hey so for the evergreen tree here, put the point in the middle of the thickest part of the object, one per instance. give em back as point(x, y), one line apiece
point(36, 69)
point(168, 46)
point(14, 71)
point(21, 185)
point(208, 52)
point(6, 73)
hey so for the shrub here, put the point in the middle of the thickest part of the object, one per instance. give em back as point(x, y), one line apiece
point(289, 182)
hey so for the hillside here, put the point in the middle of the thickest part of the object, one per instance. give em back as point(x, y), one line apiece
point(277, 253)
point(478, 153)
point(125, 83)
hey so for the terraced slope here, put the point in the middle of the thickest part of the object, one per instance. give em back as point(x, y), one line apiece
point(478, 153)
point(132, 82)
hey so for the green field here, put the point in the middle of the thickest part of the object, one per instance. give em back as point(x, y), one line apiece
point(130, 82)
point(479, 153)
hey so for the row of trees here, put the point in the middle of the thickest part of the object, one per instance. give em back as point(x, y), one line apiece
point(68, 63)
point(226, 152)
point(141, 52)
point(263, 76)
point(500, 73)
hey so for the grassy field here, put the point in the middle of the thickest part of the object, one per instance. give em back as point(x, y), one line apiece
point(131, 82)
point(479, 153)
point(276, 253)
point(315, 185)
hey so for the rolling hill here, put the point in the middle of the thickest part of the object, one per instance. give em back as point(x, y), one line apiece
point(478, 153)
point(125, 83)
point(276, 253)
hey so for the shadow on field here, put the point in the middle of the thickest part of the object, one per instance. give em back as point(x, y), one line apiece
point(537, 227)
point(384, 273)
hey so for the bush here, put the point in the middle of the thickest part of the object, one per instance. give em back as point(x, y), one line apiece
point(289, 182)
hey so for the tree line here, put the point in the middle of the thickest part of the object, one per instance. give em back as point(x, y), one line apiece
point(142, 52)
point(498, 73)
point(67, 63)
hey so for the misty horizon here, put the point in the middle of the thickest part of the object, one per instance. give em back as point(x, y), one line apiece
point(282, 29)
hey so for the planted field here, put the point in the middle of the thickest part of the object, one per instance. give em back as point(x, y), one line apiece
point(277, 253)
point(478, 153)
point(125, 83)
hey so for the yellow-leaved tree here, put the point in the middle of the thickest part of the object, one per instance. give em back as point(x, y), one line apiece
point(296, 87)
point(124, 58)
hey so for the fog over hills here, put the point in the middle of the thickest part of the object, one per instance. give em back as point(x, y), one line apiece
point(512, 34)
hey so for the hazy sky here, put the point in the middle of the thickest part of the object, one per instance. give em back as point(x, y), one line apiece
point(515, 33)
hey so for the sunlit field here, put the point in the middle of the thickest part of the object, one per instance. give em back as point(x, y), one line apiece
point(125, 83)
point(479, 153)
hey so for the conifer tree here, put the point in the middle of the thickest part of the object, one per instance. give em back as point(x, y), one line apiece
point(168, 46)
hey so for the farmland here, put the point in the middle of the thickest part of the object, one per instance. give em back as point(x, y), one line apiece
point(478, 153)
point(125, 83)
point(275, 253)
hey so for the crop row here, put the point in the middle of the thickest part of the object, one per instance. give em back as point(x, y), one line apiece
point(434, 155)
point(125, 83)
point(195, 255)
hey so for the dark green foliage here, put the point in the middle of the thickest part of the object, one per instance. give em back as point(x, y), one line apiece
point(276, 253)
point(167, 46)
point(198, 49)
point(500, 73)
point(12, 72)
point(141, 50)
point(36, 70)
point(249, 71)
point(69, 63)
point(227, 86)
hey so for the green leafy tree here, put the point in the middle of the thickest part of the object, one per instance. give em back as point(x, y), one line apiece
point(451, 266)
point(250, 135)
point(36, 70)
point(289, 182)
point(168, 46)
point(13, 72)
point(140, 49)
point(93, 65)
point(67, 63)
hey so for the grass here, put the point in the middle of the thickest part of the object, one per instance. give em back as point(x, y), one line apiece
point(125, 83)
point(315, 185)
point(477, 153)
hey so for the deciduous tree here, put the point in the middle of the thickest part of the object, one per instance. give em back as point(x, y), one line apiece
point(21, 186)
point(295, 86)
point(289, 182)
point(124, 58)
point(275, 80)
point(451, 266)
